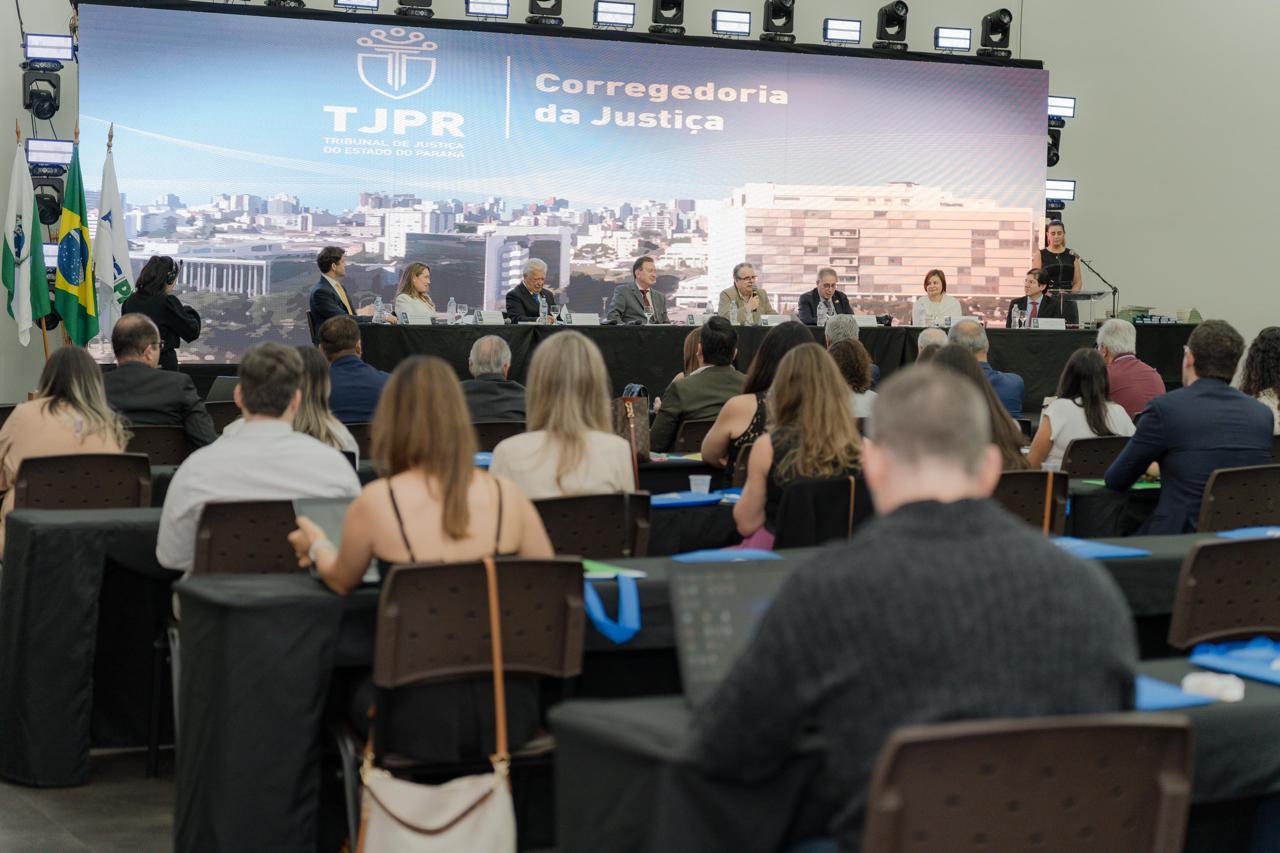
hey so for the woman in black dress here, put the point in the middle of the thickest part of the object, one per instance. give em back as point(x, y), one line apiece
point(1061, 267)
point(154, 297)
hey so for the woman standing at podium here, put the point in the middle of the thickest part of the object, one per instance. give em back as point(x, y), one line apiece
point(1062, 267)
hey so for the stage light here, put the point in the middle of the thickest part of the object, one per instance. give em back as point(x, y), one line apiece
point(1060, 190)
point(952, 39)
point(779, 21)
point(41, 88)
point(841, 31)
point(55, 48)
point(668, 17)
point(996, 29)
point(356, 4)
point(287, 4)
point(415, 9)
point(488, 8)
point(614, 14)
point(891, 26)
point(48, 192)
point(1054, 153)
point(545, 13)
point(726, 22)
point(49, 152)
point(1062, 107)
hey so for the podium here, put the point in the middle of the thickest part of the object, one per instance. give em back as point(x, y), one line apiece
point(1083, 302)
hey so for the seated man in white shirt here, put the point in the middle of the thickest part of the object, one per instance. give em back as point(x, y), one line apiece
point(264, 460)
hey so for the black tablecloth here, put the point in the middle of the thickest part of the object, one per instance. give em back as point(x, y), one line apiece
point(651, 355)
point(1096, 512)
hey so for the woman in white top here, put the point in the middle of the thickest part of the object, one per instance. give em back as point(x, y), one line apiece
point(1260, 377)
point(1081, 410)
point(569, 449)
point(414, 296)
point(932, 308)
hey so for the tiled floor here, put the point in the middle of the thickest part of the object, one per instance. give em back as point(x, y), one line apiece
point(119, 810)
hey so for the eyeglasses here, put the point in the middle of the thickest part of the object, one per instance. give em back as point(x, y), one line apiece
point(747, 278)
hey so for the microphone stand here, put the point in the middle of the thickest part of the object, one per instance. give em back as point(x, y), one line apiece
point(1115, 291)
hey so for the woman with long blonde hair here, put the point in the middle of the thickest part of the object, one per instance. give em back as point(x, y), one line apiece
point(812, 435)
point(570, 448)
point(314, 417)
point(413, 294)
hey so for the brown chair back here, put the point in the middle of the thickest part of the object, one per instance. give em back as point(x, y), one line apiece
point(245, 537)
point(163, 445)
point(83, 481)
point(1024, 493)
point(222, 412)
point(740, 467)
point(690, 434)
point(1275, 449)
point(5, 411)
point(1051, 784)
point(364, 438)
point(489, 433)
point(812, 512)
point(1227, 589)
point(1091, 457)
point(598, 526)
point(1241, 497)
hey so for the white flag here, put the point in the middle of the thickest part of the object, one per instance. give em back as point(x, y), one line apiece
point(111, 244)
point(22, 259)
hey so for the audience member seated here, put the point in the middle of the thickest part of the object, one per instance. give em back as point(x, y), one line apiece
point(931, 337)
point(1132, 382)
point(691, 356)
point(828, 294)
point(355, 386)
point(1081, 410)
point(1005, 433)
point(1261, 374)
point(936, 307)
point(68, 415)
point(491, 396)
point(523, 299)
point(741, 421)
point(264, 460)
point(1191, 432)
point(812, 435)
point(701, 395)
point(1008, 386)
point(854, 362)
point(845, 328)
point(569, 448)
point(937, 611)
point(147, 396)
point(413, 297)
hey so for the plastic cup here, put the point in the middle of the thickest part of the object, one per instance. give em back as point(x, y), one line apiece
point(700, 483)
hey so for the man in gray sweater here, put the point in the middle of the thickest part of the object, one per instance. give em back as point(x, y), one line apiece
point(944, 607)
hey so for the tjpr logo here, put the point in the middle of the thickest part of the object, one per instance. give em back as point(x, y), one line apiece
point(399, 62)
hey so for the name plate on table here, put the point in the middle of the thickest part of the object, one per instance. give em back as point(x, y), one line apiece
point(697, 319)
point(1048, 323)
point(490, 318)
point(774, 319)
point(582, 318)
point(865, 321)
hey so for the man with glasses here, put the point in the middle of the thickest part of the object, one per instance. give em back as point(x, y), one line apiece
point(750, 300)
point(826, 294)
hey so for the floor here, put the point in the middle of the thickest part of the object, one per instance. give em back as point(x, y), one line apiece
point(120, 809)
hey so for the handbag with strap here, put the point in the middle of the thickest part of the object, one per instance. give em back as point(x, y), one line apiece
point(631, 421)
point(472, 813)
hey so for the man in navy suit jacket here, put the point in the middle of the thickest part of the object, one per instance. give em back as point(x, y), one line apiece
point(356, 386)
point(1193, 431)
point(1009, 387)
point(328, 297)
point(826, 291)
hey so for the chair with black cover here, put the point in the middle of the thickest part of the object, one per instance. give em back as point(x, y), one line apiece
point(5, 411)
point(83, 481)
point(311, 327)
point(163, 445)
point(363, 436)
point(690, 434)
point(1050, 784)
point(1227, 589)
point(598, 526)
point(740, 467)
point(1029, 496)
point(1091, 457)
point(1024, 424)
point(222, 413)
point(1275, 450)
point(433, 629)
point(490, 433)
point(814, 511)
point(1241, 497)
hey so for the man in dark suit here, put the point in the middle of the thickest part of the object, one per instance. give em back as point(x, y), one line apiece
point(356, 386)
point(826, 293)
point(522, 300)
point(328, 297)
point(638, 302)
point(147, 396)
point(491, 396)
point(700, 395)
point(1191, 432)
point(1038, 304)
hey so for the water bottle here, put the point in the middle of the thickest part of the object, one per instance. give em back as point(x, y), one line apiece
point(542, 309)
point(1017, 317)
point(377, 310)
point(688, 321)
point(453, 310)
point(822, 313)
point(566, 316)
point(733, 313)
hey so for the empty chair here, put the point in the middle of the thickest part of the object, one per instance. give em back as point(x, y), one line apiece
point(1091, 457)
point(1028, 495)
point(1241, 497)
point(222, 412)
point(598, 526)
point(163, 445)
point(361, 433)
point(1227, 589)
point(1051, 784)
point(83, 481)
point(245, 537)
point(689, 436)
point(816, 511)
point(489, 433)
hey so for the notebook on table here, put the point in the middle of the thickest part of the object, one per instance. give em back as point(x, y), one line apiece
point(330, 514)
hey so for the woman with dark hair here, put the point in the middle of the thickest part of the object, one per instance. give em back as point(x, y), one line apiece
point(935, 306)
point(1261, 375)
point(855, 366)
point(1060, 265)
point(153, 296)
point(1005, 434)
point(741, 420)
point(1081, 410)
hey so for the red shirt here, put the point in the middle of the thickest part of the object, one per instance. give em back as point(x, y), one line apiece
point(1133, 383)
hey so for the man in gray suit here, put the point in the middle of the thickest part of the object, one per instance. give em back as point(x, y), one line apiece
point(700, 395)
point(638, 302)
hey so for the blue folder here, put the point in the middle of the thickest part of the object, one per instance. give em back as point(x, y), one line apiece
point(1088, 549)
point(1155, 695)
point(670, 499)
point(1251, 533)
point(483, 459)
point(1246, 658)
point(726, 555)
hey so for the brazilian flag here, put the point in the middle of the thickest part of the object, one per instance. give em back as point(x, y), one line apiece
point(74, 294)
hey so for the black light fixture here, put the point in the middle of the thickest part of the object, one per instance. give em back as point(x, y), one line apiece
point(1055, 147)
point(415, 9)
point(891, 26)
point(41, 88)
point(668, 17)
point(779, 21)
point(287, 4)
point(48, 193)
point(545, 13)
point(996, 29)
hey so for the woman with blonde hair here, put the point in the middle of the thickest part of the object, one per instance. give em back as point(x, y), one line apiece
point(413, 295)
point(69, 415)
point(570, 448)
point(812, 435)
